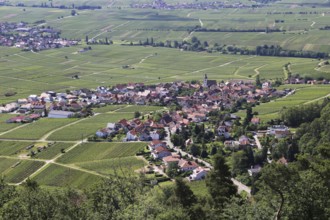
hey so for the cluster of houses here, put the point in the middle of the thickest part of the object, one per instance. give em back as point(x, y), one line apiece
point(195, 99)
point(136, 130)
point(48, 104)
point(161, 4)
point(160, 151)
point(35, 38)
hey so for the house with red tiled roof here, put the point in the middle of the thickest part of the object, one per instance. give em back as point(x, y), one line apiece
point(255, 120)
point(171, 159)
point(131, 135)
point(186, 165)
point(160, 152)
point(156, 143)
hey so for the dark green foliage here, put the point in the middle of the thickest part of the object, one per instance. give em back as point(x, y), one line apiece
point(219, 182)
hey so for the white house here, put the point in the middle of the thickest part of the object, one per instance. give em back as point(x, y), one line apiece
point(154, 135)
point(198, 174)
point(131, 136)
point(222, 131)
point(59, 114)
point(160, 152)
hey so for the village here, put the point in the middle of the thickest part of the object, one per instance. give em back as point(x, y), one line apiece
point(35, 38)
point(197, 113)
point(161, 4)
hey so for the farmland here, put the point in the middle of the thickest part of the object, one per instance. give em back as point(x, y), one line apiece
point(10, 148)
point(120, 166)
point(87, 126)
point(22, 171)
point(304, 94)
point(25, 73)
point(60, 176)
point(100, 151)
point(103, 66)
point(5, 126)
point(52, 150)
point(36, 130)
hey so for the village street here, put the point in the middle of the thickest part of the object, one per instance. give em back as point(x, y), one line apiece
point(240, 186)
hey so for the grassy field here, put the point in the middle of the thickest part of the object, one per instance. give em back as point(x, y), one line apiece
point(60, 176)
point(199, 188)
point(36, 130)
point(88, 127)
point(100, 151)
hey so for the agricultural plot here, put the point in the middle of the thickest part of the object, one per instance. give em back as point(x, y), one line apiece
point(103, 65)
point(87, 127)
point(141, 108)
point(60, 176)
point(108, 108)
point(6, 164)
point(304, 94)
point(22, 171)
point(13, 148)
point(118, 166)
point(36, 130)
point(6, 126)
point(52, 150)
point(100, 151)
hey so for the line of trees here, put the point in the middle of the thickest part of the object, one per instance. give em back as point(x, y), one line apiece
point(196, 45)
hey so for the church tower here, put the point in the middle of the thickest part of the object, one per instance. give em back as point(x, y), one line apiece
point(205, 81)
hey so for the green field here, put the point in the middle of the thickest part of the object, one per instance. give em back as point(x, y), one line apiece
point(141, 108)
point(100, 151)
point(13, 148)
point(103, 66)
point(22, 171)
point(88, 127)
point(119, 166)
point(60, 176)
point(36, 130)
point(108, 108)
point(53, 150)
point(6, 126)
point(28, 73)
point(199, 188)
point(304, 94)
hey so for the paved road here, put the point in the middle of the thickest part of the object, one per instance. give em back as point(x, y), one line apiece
point(257, 142)
point(240, 186)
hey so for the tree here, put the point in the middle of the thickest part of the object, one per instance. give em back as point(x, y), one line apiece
point(281, 180)
point(240, 162)
point(258, 82)
point(172, 170)
point(137, 114)
point(184, 194)
point(219, 183)
point(249, 116)
point(73, 12)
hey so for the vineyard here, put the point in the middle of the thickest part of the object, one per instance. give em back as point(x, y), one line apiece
point(100, 151)
point(22, 171)
point(60, 176)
